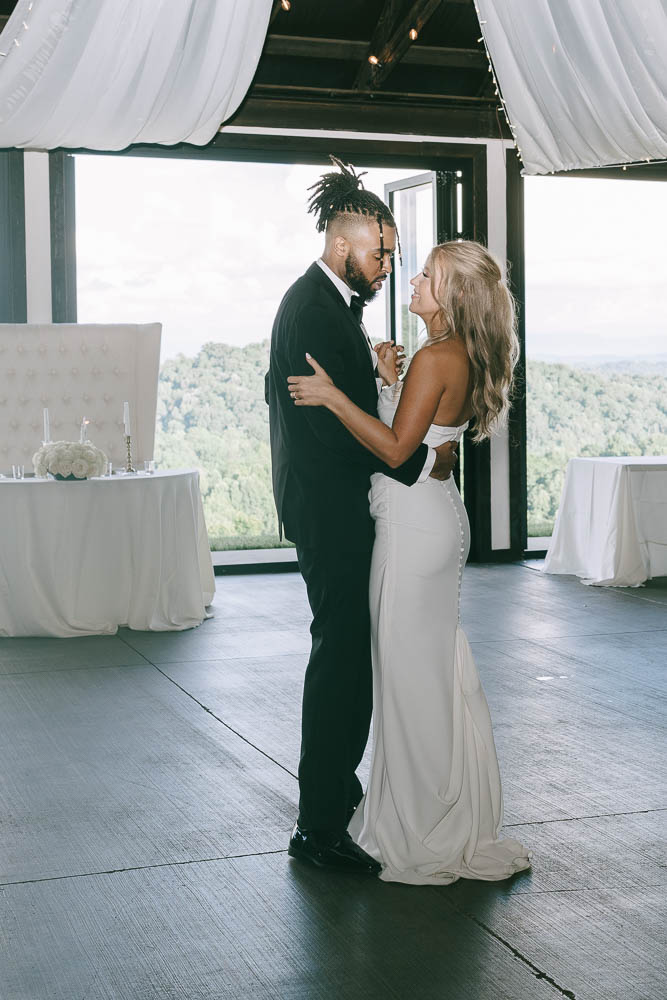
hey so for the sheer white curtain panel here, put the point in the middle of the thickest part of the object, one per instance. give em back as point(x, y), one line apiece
point(584, 81)
point(104, 74)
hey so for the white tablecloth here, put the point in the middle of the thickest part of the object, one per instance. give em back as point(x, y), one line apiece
point(611, 527)
point(82, 558)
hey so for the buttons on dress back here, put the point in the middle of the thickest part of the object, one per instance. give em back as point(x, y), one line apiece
point(461, 550)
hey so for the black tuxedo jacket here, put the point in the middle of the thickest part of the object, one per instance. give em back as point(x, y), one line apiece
point(320, 472)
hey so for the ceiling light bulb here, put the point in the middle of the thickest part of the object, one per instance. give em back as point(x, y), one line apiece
point(414, 34)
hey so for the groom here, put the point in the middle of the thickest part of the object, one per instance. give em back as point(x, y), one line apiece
point(320, 483)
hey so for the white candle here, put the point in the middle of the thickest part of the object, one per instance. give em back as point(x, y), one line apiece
point(82, 435)
point(126, 418)
point(47, 427)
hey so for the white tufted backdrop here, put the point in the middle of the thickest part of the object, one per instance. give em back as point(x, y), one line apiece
point(77, 370)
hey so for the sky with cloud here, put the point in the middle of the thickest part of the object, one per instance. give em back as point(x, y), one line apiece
point(209, 249)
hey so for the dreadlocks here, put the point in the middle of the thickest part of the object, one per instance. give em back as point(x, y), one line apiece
point(343, 193)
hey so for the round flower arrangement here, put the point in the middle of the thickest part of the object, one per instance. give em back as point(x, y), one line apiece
point(69, 460)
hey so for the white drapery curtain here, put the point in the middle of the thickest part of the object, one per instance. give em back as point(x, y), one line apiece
point(584, 81)
point(103, 74)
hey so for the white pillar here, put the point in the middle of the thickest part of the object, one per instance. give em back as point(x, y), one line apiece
point(37, 237)
point(500, 449)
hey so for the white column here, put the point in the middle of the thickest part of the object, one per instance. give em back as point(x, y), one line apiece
point(37, 237)
point(500, 450)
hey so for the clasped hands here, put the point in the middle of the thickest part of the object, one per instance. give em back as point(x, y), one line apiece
point(319, 390)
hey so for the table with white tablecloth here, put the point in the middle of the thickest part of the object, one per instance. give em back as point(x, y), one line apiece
point(82, 558)
point(611, 527)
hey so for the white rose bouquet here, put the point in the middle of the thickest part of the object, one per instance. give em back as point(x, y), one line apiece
point(69, 460)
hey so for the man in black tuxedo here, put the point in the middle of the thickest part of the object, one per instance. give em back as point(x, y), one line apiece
point(321, 481)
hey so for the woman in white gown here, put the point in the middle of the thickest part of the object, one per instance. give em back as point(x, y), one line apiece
point(433, 808)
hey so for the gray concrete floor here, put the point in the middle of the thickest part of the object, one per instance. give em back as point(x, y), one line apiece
point(148, 790)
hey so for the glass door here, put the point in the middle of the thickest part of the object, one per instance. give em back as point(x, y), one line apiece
point(428, 209)
point(413, 202)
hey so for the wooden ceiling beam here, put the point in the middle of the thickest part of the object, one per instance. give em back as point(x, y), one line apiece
point(303, 91)
point(391, 40)
point(349, 50)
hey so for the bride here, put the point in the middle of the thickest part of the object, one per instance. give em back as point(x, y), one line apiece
point(433, 808)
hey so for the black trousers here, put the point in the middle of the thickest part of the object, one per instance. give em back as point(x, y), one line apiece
point(338, 687)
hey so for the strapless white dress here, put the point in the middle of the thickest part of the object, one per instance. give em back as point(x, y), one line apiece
point(433, 808)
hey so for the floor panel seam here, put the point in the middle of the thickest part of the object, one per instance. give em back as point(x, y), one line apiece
point(141, 868)
point(535, 970)
point(585, 888)
point(575, 819)
point(212, 713)
point(569, 635)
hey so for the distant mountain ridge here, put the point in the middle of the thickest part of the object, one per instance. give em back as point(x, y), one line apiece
point(649, 364)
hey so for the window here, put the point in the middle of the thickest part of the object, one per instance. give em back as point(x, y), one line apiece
point(596, 327)
point(208, 248)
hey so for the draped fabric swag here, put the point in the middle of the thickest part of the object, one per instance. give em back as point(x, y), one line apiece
point(584, 81)
point(109, 73)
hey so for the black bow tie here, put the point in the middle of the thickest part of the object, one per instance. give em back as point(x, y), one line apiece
point(356, 307)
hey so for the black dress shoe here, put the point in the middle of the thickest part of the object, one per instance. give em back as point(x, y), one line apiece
point(331, 851)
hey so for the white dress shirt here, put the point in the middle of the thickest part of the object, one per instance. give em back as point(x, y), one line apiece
point(348, 294)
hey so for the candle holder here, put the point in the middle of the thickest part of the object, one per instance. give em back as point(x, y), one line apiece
point(128, 463)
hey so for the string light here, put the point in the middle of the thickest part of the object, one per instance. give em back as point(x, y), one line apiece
point(503, 106)
point(374, 61)
point(413, 34)
point(285, 4)
point(15, 41)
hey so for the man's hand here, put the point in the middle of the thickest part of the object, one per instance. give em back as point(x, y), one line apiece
point(446, 458)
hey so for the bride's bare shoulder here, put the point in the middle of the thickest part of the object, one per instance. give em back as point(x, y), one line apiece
point(450, 355)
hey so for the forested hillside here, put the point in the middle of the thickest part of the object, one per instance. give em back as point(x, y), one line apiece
point(212, 416)
point(587, 411)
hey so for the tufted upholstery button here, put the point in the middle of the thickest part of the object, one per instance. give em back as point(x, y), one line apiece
point(11, 371)
point(104, 348)
point(20, 348)
point(85, 397)
point(75, 371)
point(4, 449)
point(42, 348)
point(13, 424)
point(44, 399)
point(53, 371)
point(84, 348)
point(96, 371)
point(23, 400)
point(62, 349)
point(116, 370)
point(107, 398)
point(66, 398)
point(30, 372)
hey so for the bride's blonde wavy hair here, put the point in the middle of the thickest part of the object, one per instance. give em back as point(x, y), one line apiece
point(476, 304)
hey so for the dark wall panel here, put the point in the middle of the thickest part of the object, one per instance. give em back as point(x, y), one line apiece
point(13, 304)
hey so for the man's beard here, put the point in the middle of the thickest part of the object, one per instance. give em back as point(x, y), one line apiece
point(354, 277)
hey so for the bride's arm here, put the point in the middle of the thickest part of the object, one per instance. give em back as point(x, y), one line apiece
point(423, 387)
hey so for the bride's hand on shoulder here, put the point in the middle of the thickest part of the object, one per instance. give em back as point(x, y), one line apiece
point(312, 390)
